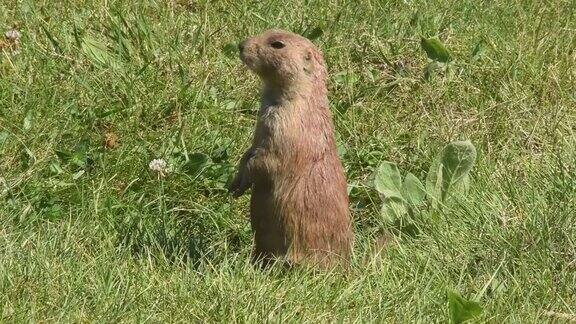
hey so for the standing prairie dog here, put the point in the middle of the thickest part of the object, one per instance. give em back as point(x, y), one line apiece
point(299, 205)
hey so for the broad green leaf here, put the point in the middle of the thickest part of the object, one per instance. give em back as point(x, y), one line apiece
point(346, 78)
point(97, 52)
point(387, 180)
point(220, 154)
point(314, 33)
point(434, 182)
point(195, 164)
point(393, 209)
point(80, 155)
point(457, 160)
point(462, 186)
point(462, 309)
point(435, 50)
point(230, 50)
point(413, 190)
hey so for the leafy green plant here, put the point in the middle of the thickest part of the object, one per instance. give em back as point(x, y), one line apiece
point(79, 157)
point(448, 174)
point(438, 55)
point(450, 169)
point(435, 50)
point(313, 33)
point(230, 50)
point(442, 61)
point(461, 309)
point(98, 53)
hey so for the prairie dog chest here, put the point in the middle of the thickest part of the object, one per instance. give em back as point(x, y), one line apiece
point(279, 125)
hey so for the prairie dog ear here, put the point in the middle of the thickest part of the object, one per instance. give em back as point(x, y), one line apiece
point(309, 55)
point(309, 61)
point(314, 64)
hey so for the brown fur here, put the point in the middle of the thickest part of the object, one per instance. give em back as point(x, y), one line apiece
point(299, 206)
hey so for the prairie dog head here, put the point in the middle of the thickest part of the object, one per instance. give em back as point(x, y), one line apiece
point(283, 59)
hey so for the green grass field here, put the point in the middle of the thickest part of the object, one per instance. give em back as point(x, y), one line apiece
point(97, 89)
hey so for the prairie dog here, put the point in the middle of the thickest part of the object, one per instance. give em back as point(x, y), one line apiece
point(299, 206)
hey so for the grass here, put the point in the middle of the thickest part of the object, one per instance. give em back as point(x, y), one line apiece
point(98, 89)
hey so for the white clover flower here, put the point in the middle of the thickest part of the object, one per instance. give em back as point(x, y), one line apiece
point(158, 165)
point(13, 35)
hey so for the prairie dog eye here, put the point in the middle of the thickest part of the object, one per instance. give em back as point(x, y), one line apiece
point(277, 44)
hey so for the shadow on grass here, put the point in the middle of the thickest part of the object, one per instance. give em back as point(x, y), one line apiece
point(182, 240)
